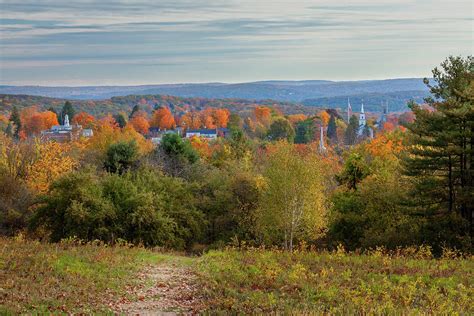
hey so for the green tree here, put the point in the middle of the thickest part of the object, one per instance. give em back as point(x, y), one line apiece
point(135, 110)
point(350, 135)
point(281, 129)
point(69, 110)
point(355, 170)
point(332, 129)
point(9, 131)
point(121, 120)
point(293, 200)
point(304, 132)
point(235, 122)
point(441, 151)
point(15, 119)
point(121, 156)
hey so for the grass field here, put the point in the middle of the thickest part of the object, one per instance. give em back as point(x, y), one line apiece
point(89, 278)
point(66, 277)
point(261, 281)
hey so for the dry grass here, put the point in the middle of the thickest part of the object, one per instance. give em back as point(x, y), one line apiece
point(66, 277)
point(263, 281)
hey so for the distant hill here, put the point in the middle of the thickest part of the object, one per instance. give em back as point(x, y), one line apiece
point(310, 91)
point(397, 101)
point(147, 103)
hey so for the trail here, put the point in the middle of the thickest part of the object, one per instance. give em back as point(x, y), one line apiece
point(166, 288)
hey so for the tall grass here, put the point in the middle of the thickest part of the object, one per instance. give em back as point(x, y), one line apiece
point(66, 277)
point(271, 281)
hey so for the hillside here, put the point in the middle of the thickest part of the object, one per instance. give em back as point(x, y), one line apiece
point(397, 101)
point(147, 103)
point(293, 91)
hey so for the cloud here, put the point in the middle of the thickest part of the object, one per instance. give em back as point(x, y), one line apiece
point(55, 38)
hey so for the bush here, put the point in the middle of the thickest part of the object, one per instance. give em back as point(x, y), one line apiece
point(142, 208)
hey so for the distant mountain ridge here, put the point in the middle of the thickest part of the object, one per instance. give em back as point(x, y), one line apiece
point(322, 93)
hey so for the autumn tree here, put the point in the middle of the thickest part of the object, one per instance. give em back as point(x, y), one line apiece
point(293, 201)
point(221, 117)
point(39, 121)
point(163, 119)
point(84, 119)
point(53, 160)
point(263, 115)
point(191, 120)
point(324, 117)
point(140, 123)
point(281, 129)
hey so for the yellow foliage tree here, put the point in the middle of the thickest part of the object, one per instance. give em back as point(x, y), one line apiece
point(53, 160)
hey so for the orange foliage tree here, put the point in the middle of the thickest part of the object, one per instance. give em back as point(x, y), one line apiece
point(108, 121)
point(84, 119)
point(140, 123)
point(163, 118)
point(221, 117)
point(35, 122)
point(295, 118)
point(263, 115)
point(191, 120)
point(324, 117)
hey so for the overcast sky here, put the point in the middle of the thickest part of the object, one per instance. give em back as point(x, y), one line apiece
point(106, 42)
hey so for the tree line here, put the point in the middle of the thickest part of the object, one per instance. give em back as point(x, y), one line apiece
point(266, 184)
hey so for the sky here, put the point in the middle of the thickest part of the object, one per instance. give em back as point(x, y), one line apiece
point(122, 42)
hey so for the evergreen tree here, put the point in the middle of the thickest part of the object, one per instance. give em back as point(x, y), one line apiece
point(332, 129)
point(9, 130)
point(121, 120)
point(69, 110)
point(350, 136)
point(135, 110)
point(304, 132)
point(15, 119)
point(121, 156)
point(51, 109)
point(442, 145)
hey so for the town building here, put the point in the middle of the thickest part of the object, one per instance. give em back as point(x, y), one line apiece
point(66, 132)
point(208, 133)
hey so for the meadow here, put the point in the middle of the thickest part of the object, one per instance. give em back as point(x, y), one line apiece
point(401, 283)
point(66, 277)
point(75, 277)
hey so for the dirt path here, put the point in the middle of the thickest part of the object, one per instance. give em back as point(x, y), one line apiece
point(164, 289)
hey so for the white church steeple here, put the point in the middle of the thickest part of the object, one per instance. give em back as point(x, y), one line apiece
point(362, 120)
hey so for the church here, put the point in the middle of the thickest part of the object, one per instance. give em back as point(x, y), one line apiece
point(66, 132)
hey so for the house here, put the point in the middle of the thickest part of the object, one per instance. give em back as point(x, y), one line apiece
point(204, 133)
point(208, 133)
point(155, 134)
point(65, 133)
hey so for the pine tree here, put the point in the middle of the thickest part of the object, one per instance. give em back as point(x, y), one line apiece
point(350, 136)
point(332, 129)
point(9, 129)
point(442, 143)
point(135, 110)
point(15, 119)
point(69, 110)
point(304, 132)
point(121, 120)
